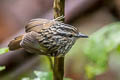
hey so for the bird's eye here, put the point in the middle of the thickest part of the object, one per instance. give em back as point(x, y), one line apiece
point(70, 35)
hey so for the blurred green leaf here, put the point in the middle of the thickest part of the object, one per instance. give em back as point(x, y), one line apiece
point(67, 79)
point(26, 78)
point(3, 50)
point(43, 75)
point(2, 68)
point(39, 75)
point(99, 45)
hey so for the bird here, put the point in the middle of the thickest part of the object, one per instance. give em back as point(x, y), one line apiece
point(47, 37)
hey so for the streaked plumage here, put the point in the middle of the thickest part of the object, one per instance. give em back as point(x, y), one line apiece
point(49, 37)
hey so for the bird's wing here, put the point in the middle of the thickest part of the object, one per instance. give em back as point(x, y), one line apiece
point(31, 44)
point(39, 24)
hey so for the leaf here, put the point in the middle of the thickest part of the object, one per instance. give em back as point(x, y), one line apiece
point(2, 68)
point(3, 50)
point(99, 45)
point(39, 75)
point(67, 79)
point(26, 78)
point(43, 75)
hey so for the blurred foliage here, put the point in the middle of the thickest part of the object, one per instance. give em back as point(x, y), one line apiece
point(2, 68)
point(3, 50)
point(99, 45)
point(42, 76)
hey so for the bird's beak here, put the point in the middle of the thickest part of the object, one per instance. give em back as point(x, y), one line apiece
point(80, 35)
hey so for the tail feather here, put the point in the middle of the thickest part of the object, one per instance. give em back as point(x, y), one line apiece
point(15, 44)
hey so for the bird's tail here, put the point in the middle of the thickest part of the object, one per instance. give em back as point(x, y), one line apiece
point(15, 44)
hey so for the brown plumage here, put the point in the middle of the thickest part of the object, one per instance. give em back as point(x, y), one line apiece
point(47, 37)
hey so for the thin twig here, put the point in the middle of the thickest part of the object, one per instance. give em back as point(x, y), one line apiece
point(59, 61)
point(58, 68)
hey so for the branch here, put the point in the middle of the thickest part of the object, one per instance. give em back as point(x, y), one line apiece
point(58, 61)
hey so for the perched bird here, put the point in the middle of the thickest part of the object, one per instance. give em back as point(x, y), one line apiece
point(47, 37)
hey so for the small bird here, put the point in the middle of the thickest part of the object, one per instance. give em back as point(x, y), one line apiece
point(47, 37)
